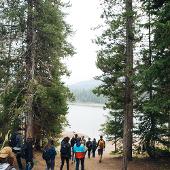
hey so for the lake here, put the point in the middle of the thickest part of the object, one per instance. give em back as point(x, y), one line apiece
point(86, 119)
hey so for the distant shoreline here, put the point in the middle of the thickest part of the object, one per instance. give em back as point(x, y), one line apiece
point(87, 104)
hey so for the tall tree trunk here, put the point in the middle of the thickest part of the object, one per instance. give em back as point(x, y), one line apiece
point(115, 143)
point(115, 138)
point(128, 108)
point(169, 131)
point(30, 65)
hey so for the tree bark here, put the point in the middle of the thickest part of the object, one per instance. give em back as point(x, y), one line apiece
point(30, 66)
point(115, 138)
point(169, 131)
point(128, 105)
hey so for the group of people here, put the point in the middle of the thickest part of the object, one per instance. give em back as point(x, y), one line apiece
point(74, 150)
point(19, 149)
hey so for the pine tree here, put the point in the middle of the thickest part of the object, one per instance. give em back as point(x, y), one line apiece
point(111, 60)
point(36, 89)
point(128, 108)
point(153, 71)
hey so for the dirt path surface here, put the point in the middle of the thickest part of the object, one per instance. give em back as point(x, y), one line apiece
point(108, 163)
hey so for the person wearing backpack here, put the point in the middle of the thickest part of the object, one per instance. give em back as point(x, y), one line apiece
point(65, 152)
point(89, 147)
point(94, 147)
point(16, 143)
point(101, 147)
point(27, 153)
point(79, 150)
point(49, 154)
point(53, 154)
point(83, 140)
point(73, 141)
point(46, 155)
point(6, 159)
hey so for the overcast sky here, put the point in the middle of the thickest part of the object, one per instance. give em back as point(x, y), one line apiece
point(83, 16)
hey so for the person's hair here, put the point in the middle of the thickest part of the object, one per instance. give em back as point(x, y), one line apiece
point(101, 137)
point(78, 139)
point(19, 129)
point(66, 139)
point(76, 135)
point(51, 141)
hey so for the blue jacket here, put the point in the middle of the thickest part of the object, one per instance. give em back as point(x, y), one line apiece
point(79, 150)
point(52, 152)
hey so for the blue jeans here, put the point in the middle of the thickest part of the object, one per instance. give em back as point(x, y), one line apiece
point(29, 166)
point(78, 162)
point(18, 157)
point(50, 164)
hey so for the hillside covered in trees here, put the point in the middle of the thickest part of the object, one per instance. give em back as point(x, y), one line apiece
point(83, 92)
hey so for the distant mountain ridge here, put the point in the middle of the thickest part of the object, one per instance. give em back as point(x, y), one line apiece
point(89, 84)
point(83, 92)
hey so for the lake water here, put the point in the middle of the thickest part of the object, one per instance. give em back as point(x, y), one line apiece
point(86, 119)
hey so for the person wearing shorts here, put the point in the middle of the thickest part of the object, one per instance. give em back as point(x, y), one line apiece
point(101, 147)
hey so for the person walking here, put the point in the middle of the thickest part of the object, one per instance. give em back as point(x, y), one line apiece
point(79, 150)
point(27, 153)
point(49, 154)
point(73, 141)
point(101, 147)
point(65, 152)
point(94, 147)
point(83, 140)
point(46, 155)
point(89, 147)
point(16, 142)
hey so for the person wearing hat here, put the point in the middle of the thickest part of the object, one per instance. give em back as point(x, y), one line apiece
point(6, 159)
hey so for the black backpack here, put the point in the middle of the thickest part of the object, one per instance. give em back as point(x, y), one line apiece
point(13, 140)
point(64, 148)
point(94, 144)
point(23, 151)
point(89, 144)
point(46, 155)
point(73, 141)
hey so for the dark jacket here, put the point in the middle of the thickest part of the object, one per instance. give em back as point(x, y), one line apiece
point(52, 152)
point(28, 151)
point(65, 150)
point(89, 145)
point(94, 145)
point(73, 141)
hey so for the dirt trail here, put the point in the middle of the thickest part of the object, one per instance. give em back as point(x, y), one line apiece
point(108, 163)
point(90, 164)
